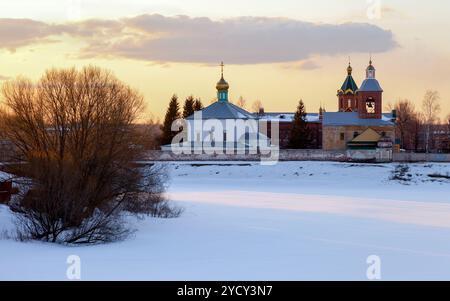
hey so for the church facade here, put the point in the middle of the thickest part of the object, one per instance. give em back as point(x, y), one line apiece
point(223, 126)
point(359, 123)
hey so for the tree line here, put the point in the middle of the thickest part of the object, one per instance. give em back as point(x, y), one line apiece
point(173, 113)
point(420, 129)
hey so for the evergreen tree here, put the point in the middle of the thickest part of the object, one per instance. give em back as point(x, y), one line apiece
point(188, 108)
point(300, 134)
point(198, 105)
point(171, 115)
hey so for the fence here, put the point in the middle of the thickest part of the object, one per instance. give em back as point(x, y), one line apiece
point(419, 157)
point(378, 155)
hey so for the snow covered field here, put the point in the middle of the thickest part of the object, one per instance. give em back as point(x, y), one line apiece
point(291, 221)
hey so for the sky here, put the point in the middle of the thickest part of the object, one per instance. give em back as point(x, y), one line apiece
point(274, 51)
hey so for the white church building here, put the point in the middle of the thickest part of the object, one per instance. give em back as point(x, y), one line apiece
point(221, 127)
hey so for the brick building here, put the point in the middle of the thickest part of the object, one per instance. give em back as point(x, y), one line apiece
point(360, 123)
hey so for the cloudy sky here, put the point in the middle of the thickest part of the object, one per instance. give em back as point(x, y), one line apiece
point(274, 51)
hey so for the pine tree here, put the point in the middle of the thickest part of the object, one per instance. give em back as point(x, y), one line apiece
point(300, 134)
point(198, 105)
point(171, 115)
point(188, 108)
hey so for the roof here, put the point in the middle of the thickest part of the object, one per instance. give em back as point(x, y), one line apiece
point(349, 85)
point(288, 117)
point(370, 85)
point(368, 135)
point(224, 110)
point(352, 118)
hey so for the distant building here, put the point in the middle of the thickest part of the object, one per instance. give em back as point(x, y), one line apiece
point(440, 139)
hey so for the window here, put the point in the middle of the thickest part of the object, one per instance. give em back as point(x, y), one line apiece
point(349, 103)
point(224, 136)
point(370, 105)
point(383, 134)
point(355, 134)
point(342, 136)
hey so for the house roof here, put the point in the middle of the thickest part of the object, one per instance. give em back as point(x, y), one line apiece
point(224, 110)
point(352, 118)
point(368, 135)
point(287, 117)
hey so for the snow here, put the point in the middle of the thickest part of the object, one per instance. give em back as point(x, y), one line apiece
point(291, 221)
point(288, 117)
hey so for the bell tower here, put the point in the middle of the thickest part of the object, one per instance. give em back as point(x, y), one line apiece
point(370, 96)
point(347, 100)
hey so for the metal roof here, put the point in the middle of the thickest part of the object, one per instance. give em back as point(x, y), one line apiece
point(224, 110)
point(352, 118)
point(287, 117)
point(370, 85)
point(349, 85)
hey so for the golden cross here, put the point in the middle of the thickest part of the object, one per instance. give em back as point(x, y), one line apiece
point(221, 65)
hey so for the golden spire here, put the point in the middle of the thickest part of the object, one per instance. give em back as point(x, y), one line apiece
point(349, 68)
point(222, 83)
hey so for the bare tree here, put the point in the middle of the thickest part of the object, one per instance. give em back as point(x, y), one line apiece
point(150, 133)
point(241, 102)
point(76, 147)
point(415, 132)
point(257, 106)
point(447, 122)
point(431, 108)
point(406, 118)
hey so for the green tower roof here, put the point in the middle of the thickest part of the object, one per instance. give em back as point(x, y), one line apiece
point(349, 86)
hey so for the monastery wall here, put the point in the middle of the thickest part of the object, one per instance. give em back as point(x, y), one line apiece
point(378, 155)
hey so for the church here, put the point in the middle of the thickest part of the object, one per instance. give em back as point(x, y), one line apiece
point(223, 127)
point(358, 124)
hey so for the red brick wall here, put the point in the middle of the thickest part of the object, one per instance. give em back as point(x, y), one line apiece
point(343, 102)
point(377, 96)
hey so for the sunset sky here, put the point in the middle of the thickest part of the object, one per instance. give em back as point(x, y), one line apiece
point(274, 51)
